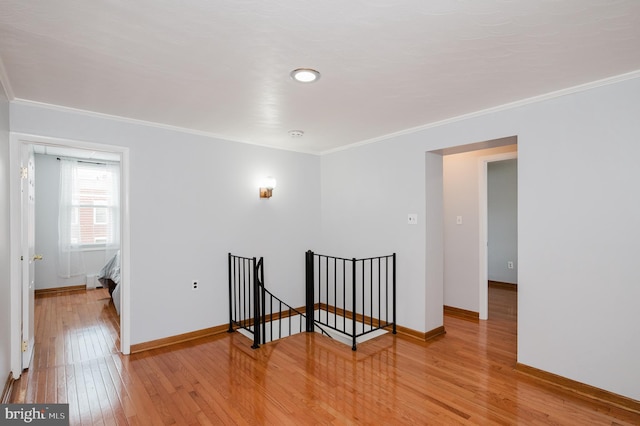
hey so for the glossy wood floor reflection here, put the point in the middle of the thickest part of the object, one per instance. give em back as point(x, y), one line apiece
point(465, 377)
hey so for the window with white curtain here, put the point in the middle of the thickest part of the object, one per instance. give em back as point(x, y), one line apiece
point(89, 211)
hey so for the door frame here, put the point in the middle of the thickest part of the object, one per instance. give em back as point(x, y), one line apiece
point(27, 234)
point(483, 216)
point(17, 141)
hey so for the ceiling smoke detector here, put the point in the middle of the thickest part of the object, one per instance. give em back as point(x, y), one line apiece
point(296, 133)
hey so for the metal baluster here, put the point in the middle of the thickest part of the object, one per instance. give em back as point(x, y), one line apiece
point(353, 334)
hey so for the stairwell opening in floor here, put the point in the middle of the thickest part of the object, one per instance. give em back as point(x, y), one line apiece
point(295, 324)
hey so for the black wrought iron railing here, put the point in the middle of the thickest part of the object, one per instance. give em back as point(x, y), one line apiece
point(352, 296)
point(278, 319)
point(257, 310)
point(244, 295)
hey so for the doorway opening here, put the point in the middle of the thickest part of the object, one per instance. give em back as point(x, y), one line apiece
point(22, 311)
point(504, 236)
point(464, 223)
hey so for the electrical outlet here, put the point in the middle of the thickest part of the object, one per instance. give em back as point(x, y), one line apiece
point(195, 285)
point(412, 219)
point(510, 264)
point(458, 220)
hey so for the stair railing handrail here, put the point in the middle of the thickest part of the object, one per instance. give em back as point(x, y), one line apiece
point(289, 309)
point(256, 299)
point(257, 316)
point(244, 296)
point(353, 262)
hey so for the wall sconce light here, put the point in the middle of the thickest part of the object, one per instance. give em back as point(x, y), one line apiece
point(266, 187)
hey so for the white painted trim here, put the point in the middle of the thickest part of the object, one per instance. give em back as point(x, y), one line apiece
point(503, 107)
point(4, 80)
point(483, 217)
point(15, 251)
point(26, 102)
point(125, 254)
point(16, 140)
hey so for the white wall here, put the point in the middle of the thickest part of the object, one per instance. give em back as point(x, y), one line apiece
point(46, 242)
point(461, 251)
point(502, 218)
point(366, 196)
point(579, 238)
point(579, 225)
point(192, 200)
point(5, 288)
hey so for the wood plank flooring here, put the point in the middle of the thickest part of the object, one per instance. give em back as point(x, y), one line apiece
point(464, 377)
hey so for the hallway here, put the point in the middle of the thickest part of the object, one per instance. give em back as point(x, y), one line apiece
point(467, 376)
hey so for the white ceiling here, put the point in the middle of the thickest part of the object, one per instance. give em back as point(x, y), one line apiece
point(222, 66)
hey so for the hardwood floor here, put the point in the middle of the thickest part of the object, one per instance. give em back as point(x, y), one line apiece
point(464, 377)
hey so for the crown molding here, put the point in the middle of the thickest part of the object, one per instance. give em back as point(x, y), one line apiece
point(127, 120)
point(504, 107)
point(508, 106)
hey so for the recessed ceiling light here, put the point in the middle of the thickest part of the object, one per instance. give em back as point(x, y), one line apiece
point(296, 133)
point(305, 75)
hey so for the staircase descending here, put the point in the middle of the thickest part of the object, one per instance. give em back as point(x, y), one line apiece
point(349, 315)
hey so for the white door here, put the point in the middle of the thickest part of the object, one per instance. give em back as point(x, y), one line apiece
point(28, 250)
